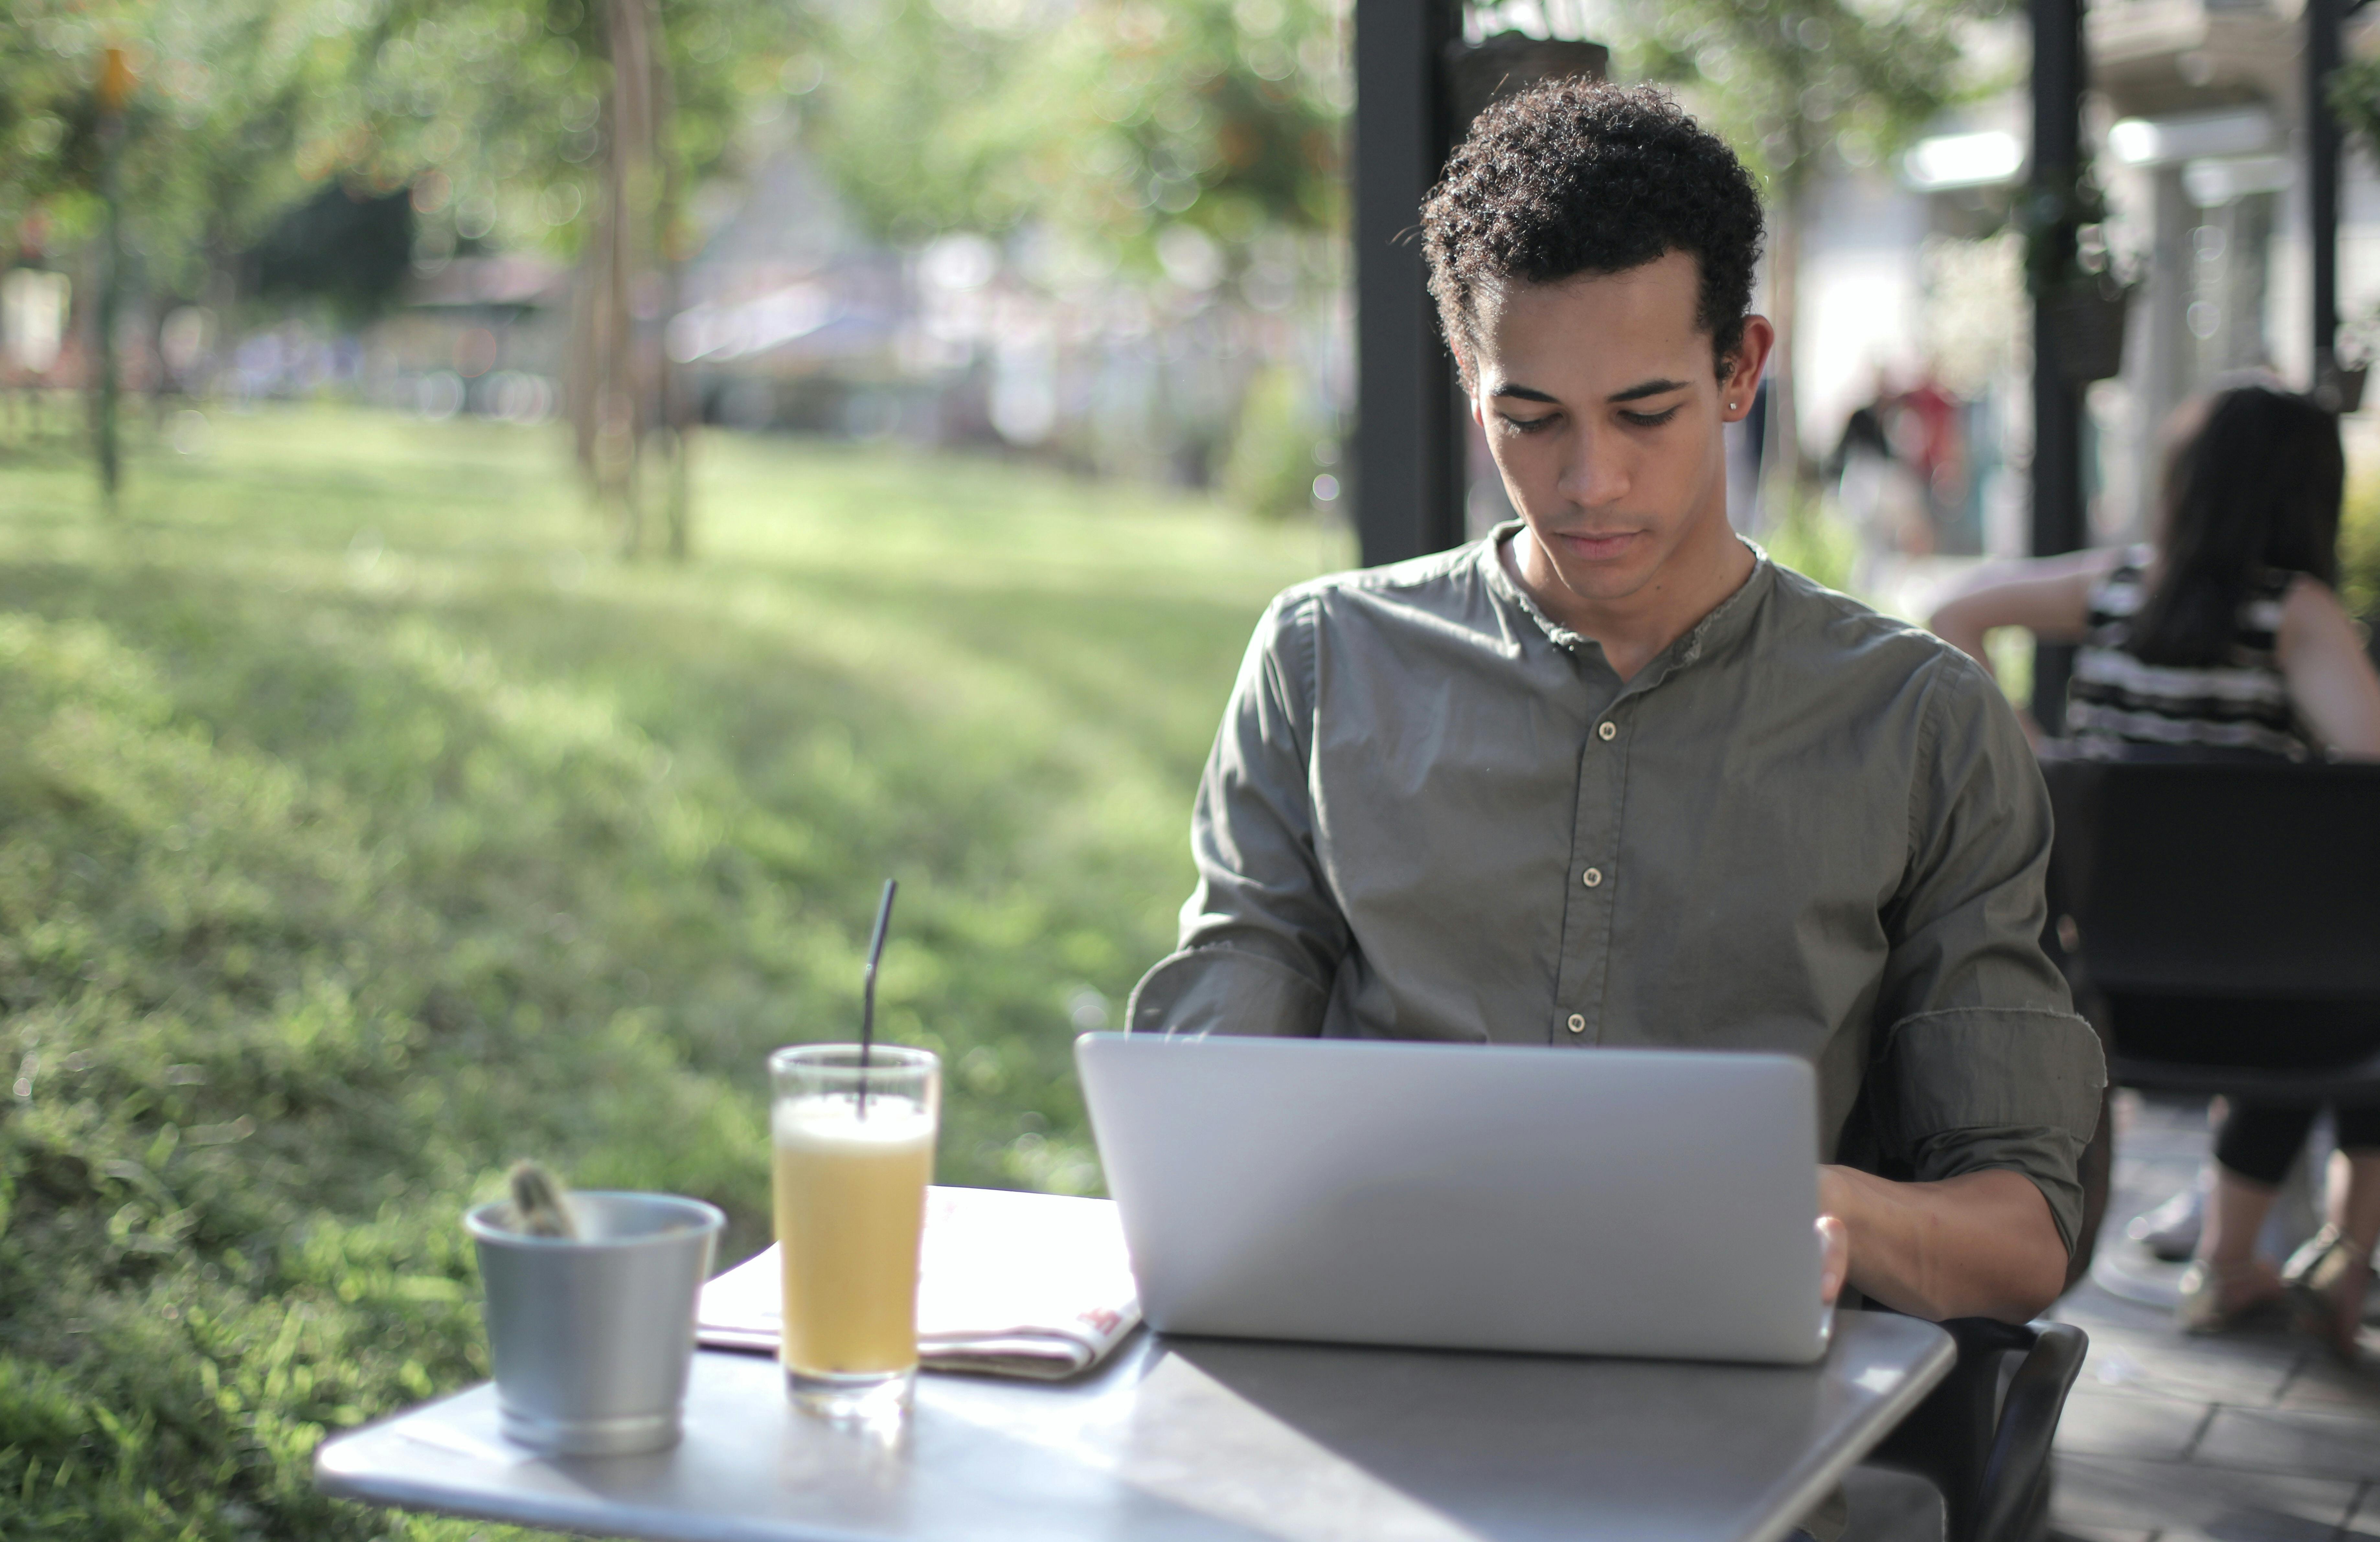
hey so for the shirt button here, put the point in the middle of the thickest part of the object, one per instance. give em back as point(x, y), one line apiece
point(1605, 731)
point(1577, 1024)
point(1592, 877)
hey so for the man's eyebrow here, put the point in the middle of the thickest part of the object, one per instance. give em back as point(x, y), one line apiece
point(1633, 393)
point(1650, 388)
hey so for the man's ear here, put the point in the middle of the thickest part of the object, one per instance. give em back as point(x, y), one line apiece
point(1741, 383)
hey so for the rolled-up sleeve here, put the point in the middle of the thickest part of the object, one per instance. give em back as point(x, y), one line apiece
point(1983, 1061)
point(1261, 937)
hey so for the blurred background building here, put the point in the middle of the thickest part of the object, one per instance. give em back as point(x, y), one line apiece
point(2196, 117)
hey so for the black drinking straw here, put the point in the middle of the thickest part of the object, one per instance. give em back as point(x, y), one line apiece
point(867, 993)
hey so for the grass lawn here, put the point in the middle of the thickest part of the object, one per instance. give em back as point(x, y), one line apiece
point(363, 827)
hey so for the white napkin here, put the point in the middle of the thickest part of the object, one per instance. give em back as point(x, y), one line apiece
point(1034, 1285)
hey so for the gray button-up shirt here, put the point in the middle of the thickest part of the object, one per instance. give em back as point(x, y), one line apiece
point(1431, 812)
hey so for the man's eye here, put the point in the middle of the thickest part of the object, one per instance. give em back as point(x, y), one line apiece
point(1528, 425)
point(1649, 420)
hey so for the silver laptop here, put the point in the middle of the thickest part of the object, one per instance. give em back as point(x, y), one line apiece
point(1640, 1202)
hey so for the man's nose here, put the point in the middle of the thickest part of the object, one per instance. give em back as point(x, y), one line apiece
point(1596, 471)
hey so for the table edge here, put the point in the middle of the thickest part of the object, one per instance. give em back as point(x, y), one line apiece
point(1891, 1409)
point(626, 1521)
point(1882, 1418)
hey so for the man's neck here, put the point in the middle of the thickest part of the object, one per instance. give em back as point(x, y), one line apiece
point(1634, 628)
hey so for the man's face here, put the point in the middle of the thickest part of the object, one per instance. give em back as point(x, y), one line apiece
point(1603, 409)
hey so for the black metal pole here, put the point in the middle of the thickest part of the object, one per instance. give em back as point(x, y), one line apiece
point(2057, 400)
point(1408, 461)
point(2322, 51)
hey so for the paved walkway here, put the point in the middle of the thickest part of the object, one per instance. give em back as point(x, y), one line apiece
point(2243, 1437)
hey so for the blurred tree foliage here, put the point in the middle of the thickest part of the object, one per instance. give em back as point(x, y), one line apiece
point(576, 125)
point(1103, 123)
point(212, 131)
point(502, 120)
point(2355, 99)
point(1090, 132)
point(1788, 80)
point(350, 246)
point(502, 102)
point(247, 106)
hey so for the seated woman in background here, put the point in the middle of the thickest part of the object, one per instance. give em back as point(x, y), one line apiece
point(2225, 639)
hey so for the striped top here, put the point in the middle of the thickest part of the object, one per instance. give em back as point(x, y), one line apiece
point(2242, 703)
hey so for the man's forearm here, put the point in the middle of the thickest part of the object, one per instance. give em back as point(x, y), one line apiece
point(1979, 1245)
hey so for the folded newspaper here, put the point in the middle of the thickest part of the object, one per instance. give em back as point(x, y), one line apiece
point(1010, 1285)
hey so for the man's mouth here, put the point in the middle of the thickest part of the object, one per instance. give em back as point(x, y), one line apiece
point(1596, 545)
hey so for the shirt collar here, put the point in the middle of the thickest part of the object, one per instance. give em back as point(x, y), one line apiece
point(1727, 621)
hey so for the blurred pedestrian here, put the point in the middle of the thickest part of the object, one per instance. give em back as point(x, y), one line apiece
point(1876, 486)
point(1929, 421)
point(2225, 638)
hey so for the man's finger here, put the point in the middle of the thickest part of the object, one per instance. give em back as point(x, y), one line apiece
point(1834, 1257)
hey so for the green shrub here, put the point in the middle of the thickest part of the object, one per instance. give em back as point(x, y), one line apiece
point(1813, 540)
point(2359, 549)
point(1272, 465)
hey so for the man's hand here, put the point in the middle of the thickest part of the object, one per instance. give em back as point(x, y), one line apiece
point(1979, 1245)
point(1834, 1257)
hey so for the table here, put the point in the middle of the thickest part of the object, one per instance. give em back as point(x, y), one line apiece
point(1181, 1440)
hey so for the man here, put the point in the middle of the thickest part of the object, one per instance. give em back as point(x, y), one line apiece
point(1610, 777)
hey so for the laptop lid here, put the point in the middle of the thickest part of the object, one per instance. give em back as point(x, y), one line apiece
point(1638, 1202)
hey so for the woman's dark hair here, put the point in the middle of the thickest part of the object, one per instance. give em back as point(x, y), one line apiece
point(2256, 489)
point(1578, 177)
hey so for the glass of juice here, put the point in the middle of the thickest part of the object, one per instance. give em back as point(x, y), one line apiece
point(854, 1150)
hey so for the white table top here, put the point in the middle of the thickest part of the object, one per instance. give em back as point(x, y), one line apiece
point(1183, 1439)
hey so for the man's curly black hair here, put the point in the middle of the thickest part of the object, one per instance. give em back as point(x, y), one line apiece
point(1580, 177)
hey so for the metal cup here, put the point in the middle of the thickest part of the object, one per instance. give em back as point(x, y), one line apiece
point(592, 1336)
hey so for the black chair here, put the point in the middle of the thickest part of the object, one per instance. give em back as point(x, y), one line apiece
point(2249, 886)
point(2254, 887)
point(1982, 1438)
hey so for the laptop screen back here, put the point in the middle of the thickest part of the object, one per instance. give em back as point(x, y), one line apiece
point(1585, 1201)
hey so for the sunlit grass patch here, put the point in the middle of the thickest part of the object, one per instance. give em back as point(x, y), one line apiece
point(364, 824)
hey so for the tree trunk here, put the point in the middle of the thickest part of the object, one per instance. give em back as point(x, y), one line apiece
point(672, 407)
point(611, 410)
point(109, 298)
point(579, 370)
point(625, 395)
